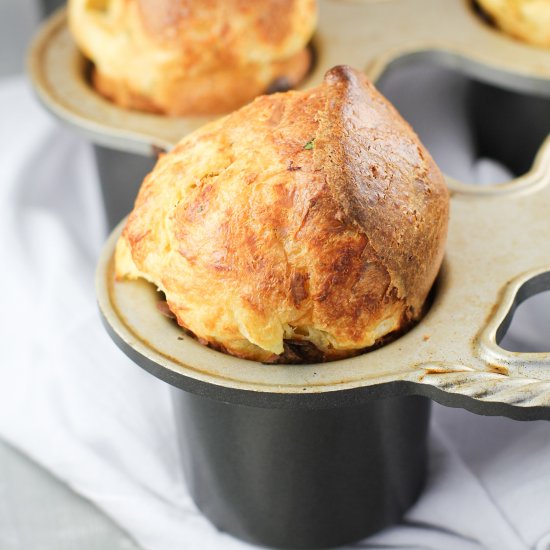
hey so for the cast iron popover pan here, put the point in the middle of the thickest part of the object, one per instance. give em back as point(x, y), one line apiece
point(314, 456)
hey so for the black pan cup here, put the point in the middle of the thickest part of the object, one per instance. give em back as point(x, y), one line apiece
point(302, 478)
point(508, 125)
point(47, 7)
point(269, 455)
point(120, 176)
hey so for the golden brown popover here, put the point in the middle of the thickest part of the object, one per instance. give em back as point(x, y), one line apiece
point(528, 20)
point(193, 57)
point(311, 217)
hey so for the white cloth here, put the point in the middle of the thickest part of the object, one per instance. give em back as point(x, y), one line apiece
point(72, 401)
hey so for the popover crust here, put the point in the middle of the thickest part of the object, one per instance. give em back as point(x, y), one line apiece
point(191, 57)
point(311, 216)
point(527, 20)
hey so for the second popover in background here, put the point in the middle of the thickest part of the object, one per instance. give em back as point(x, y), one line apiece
point(527, 20)
point(193, 57)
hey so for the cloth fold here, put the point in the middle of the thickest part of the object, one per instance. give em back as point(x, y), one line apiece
point(74, 403)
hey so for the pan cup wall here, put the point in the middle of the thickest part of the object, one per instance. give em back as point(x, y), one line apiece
point(461, 119)
point(120, 176)
point(302, 478)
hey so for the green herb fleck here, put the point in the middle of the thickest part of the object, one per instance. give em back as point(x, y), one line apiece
point(309, 144)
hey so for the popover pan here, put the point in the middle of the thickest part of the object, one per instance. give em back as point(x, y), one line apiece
point(322, 455)
point(312, 456)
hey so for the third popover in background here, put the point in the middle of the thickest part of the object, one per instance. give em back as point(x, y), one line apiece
point(527, 20)
point(191, 57)
point(307, 225)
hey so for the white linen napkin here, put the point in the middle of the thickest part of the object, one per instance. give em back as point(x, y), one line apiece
point(74, 403)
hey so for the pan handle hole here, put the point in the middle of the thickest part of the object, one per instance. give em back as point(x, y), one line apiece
point(477, 133)
point(526, 327)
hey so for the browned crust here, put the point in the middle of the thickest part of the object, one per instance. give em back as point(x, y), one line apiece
point(319, 212)
point(524, 20)
point(386, 183)
point(211, 94)
point(121, 94)
point(190, 57)
point(268, 18)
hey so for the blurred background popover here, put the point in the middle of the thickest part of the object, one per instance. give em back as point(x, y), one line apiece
point(189, 57)
point(527, 20)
